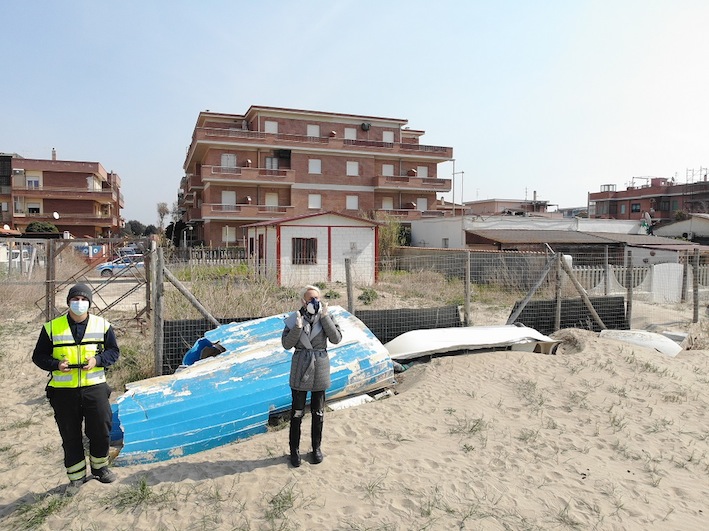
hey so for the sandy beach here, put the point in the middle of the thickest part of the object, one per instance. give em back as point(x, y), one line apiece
point(603, 435)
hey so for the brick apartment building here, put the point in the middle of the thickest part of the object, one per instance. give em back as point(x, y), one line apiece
point(662, 198)
point(79, 197)
point(272, 163)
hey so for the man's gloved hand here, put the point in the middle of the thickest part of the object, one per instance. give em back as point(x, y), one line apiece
point(298, 320)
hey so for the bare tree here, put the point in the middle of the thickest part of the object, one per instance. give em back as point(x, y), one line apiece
point(175, 212)
point(162, 212)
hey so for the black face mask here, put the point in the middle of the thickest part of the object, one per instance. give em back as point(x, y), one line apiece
point(313, 306)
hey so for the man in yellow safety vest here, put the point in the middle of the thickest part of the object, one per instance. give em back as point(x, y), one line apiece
point(76, 348)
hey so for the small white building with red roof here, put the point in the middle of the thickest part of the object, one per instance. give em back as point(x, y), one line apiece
point(313, 248)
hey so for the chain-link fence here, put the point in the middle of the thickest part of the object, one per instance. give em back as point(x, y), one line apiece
point(186, 293)
point(44, 269)
point(429, 288)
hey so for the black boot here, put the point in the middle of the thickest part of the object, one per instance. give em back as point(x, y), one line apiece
point(316, 435)
point(294, 440)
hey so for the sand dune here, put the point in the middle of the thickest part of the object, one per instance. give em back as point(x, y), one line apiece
point(601, 436)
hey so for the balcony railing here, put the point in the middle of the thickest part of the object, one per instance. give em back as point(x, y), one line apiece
point(402, 213)
point(256, 137)
point(405, 182)
point(240, 212)
point(103, 220)
point(254, 175)
point(368, 143)
point(21, 212)
point(66, 192)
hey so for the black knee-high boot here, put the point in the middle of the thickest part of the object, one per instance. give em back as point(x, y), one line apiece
point(316, 435)
point(294, 439)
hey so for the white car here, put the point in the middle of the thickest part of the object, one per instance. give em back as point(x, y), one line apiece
point(119, 265)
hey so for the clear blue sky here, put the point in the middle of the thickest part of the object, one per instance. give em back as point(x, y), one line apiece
point(557, 96)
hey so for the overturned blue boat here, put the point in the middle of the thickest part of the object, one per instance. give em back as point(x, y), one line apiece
point(230, 396)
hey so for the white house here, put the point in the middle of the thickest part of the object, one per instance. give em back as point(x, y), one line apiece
point(696, 228)
point(450, 232)
point(312, 248)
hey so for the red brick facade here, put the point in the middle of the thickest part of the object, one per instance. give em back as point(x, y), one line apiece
point(86, 198)
point(239, 170)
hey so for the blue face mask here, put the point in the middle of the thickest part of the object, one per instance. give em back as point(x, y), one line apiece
point(79, 307)
point(313, 306)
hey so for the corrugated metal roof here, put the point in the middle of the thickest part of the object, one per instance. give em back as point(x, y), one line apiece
point(638, 239)
point(510, 236)
point(280, 221)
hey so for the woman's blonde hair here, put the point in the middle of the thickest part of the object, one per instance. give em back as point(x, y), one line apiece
point(307, 289)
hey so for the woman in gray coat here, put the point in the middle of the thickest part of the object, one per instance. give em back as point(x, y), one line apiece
point(308, 330)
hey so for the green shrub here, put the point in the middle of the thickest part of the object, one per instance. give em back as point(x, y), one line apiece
point(368, 296)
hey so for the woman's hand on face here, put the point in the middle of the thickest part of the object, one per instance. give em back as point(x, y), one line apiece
point(298, 320)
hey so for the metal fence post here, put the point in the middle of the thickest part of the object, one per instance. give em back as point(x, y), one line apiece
point(467, 289)
point(607, 270)
point(49, 293)
point(629, 289)
point(685, 277)
point(695, 286)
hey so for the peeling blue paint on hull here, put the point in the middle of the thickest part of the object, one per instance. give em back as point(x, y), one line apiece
point(229, 397)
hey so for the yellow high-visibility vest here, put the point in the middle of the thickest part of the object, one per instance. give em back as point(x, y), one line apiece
point(65, 347)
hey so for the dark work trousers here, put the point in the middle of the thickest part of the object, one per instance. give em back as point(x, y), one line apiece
point(84, 404)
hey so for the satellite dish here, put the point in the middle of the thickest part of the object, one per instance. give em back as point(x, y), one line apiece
point(55, 215)
point(6, 226)
point(366, 126)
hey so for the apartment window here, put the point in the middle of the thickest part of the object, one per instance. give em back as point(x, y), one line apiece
point(228, 160)
point(422, 171)
point(305, 251)
point(228, 234)
point(351, 202)
point(228, 200)
point(352, 168)
point(675, 204)
point(422, 204)
point(313, 131)
point(664, 205)
point(635, 207)
point(388, 136)
point(4, 206)
point(33, 208)
point(350, 133)
point(271, 163)
point(315, 166)
point(270, 127)
point(444, 243)
point(387, 203)
point(32, 182)
point(314, 201)
point(271, 199)
point(388, 170)
point(622, 208)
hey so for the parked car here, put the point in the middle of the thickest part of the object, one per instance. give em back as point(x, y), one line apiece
point(117, 266)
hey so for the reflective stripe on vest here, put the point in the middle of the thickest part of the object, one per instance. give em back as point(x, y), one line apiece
point(65, 347)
